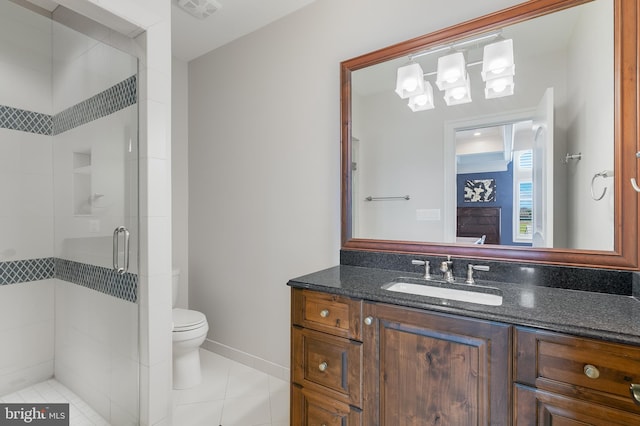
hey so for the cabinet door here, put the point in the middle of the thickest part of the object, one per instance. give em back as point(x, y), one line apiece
point(309, 408)
point(540, 408)
point(434, 369)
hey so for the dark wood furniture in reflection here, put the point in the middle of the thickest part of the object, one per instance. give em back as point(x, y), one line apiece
point(478, 221)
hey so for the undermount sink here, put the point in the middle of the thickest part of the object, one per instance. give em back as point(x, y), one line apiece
point(462, 293)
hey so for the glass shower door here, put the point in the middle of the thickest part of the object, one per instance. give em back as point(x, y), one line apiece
point(95, 175)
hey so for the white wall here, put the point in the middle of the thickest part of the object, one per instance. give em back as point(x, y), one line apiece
point(264, 160)
point(591, 126)
point(180, 176)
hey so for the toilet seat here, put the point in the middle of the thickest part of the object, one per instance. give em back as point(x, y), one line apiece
point(187, 320)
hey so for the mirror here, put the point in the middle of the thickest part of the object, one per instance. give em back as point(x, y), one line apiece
point(537, 169)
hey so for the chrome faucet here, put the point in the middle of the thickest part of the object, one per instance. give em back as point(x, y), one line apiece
point(447, 270)
point(470, 269)
point(427, 274)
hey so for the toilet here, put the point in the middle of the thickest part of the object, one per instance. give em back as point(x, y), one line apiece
point(189, 332)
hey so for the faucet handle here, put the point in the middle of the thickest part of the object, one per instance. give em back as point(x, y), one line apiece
point(470, 269)
point(427, 274)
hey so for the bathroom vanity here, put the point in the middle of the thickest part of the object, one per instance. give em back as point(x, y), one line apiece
point(556, 340)
point(362, 355)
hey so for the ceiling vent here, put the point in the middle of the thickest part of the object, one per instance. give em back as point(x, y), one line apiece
point(199, 8)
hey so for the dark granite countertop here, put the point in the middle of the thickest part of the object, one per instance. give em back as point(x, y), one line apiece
point(610, 317)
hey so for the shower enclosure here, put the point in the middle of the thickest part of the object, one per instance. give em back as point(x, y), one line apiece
point(68, 213)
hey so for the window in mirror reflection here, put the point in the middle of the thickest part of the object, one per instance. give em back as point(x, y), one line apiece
point(564, 99)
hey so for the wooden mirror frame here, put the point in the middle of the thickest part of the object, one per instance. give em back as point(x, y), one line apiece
point(626, 38)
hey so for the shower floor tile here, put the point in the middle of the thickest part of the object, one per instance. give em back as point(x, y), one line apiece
point(52, 391)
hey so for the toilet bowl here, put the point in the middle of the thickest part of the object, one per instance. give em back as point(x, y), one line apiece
point(189, 332)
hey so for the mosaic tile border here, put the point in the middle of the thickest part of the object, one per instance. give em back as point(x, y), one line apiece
point(115, 98)
point(25, 121)
point(20, 271)
point(97, 278)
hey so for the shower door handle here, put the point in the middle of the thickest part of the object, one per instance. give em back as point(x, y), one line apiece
point(116, 248)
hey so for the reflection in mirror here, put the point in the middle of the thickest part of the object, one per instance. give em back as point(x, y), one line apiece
point(511, 183)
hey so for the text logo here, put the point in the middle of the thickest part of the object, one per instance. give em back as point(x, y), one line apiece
point(34, 414)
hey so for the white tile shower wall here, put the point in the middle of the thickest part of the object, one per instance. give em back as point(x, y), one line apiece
point(27, 333)
point(87, 237)
point(25, 59)
point(96, 350)
point(26, 217)
point(84, 67)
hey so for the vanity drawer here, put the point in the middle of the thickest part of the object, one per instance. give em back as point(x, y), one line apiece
point(311, 409)
point(328, 364)
point(328, 313)
point(580, 367)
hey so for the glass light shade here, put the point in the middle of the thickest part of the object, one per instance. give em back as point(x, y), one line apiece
point(497, 60)
point(499, 87)
point(452, 71)
point(409, 81)
point(423, 101)
point(458, 95)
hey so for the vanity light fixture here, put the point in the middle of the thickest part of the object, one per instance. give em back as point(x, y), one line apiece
point(452, 77)
point(497, 60)
point(423, 101)
point(498, 69)
point(410, 80)
point(499, 87)
point(452, 71)
point(458, 95)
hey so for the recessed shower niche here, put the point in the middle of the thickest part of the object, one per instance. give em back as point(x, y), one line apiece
point(82, 198)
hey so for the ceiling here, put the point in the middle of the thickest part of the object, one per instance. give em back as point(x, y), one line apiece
point(192, 37)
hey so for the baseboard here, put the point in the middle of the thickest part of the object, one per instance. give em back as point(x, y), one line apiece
point(247, 359)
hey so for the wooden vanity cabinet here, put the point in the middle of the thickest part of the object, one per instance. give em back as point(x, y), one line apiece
point(434, 369)
point(378, 364)
point(568, 380)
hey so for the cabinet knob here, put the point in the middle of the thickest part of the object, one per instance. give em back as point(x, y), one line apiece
point(635, 393)
point(368, 320)
point(323, 366)
point(324, 313)
point(591, 371)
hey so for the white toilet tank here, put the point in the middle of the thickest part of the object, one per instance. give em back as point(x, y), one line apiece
point(175, 280)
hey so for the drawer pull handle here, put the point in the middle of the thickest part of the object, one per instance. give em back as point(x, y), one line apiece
point(324, 313)
point(323, 366)
point(591, 371)
point(368, 320)
point(635, 393)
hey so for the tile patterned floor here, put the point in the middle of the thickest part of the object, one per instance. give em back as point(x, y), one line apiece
point(52, 391)
point(232, 394)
